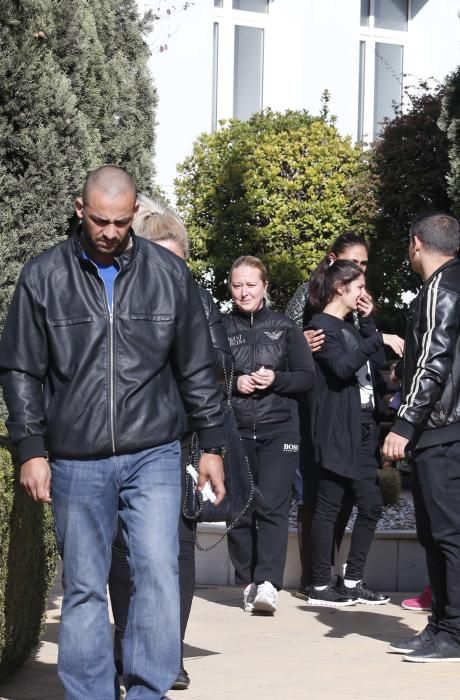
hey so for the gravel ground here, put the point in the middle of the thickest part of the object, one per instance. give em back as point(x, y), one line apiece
point(398, 517)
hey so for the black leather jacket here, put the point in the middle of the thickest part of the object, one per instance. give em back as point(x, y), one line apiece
point(270, 339)
point(85, 382)
point(430, 409)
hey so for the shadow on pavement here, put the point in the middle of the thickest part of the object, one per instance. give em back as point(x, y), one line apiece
point(366, 623)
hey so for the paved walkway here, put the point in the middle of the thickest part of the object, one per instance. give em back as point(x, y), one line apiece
point(302, 652)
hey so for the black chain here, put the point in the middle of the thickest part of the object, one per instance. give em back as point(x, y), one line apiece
point(194, 452)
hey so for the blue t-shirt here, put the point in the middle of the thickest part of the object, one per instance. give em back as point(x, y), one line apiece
point(107, 273)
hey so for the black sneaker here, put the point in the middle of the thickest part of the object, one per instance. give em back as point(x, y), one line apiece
point(435, 651)
point(182, 680)
point(329, 596)
point(362, 594)
point(302, 592)
point(415, 643)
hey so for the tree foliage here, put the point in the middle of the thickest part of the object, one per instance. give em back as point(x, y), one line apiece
point(410, 165)
point(75, 93)
point(449, 122)
point(280, 186)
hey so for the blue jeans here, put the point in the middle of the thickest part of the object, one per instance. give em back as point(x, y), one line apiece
point(88, 495)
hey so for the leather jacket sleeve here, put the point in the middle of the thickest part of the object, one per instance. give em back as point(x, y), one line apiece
point(23, 368)
point(433, 363)
point(222, 354)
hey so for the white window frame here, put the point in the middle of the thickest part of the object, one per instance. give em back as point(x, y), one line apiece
point(372, 35)
point(228, 19)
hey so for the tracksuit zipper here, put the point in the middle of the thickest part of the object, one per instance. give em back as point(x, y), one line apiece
point(253, 342)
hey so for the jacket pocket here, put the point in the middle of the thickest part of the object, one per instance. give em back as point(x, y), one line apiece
point(152, 317)
point(70, 321)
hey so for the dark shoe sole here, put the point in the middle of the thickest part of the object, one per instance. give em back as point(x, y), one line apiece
point(300, 595)
point(264, 608)
point(180, 685)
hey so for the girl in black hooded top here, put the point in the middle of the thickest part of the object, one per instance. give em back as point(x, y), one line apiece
point(345, 433)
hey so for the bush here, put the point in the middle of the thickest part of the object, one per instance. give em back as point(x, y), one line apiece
point(279, 186)
point(27, 564)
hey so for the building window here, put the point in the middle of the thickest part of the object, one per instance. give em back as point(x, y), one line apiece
point(218, 3)
point(361, 89)
point(391, 14)
point(251, 5)
point(215, 74)
point(239, 43)
point(248, 71)
point(384, 27)
point(387, 81)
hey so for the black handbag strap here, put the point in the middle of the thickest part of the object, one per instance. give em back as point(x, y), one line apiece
point(229, 379)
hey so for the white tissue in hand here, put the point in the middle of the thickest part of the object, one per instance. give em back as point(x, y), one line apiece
point(207, 492)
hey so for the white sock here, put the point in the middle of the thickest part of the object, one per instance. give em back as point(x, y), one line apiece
point(350, 584)
point(320, 588)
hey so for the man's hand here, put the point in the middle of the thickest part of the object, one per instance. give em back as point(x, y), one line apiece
point(263, 378)
point(211, 468)
point(245, 384)
point(315, 339)
point(36, 479)
point(394, 342)
point(394, 447)
point(365, 304)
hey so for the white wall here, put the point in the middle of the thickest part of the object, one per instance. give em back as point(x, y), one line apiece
point(310, 45)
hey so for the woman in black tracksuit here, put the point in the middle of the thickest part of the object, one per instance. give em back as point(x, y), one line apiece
point(273, 365)
point(345, 432)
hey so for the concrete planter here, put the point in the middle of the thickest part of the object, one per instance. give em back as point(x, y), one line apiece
point(396, 561)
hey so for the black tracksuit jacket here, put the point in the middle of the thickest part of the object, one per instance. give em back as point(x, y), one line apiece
point(269, 339)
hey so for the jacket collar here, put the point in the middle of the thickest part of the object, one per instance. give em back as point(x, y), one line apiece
point(259, 315)
point(453, 261)
point(124, 259)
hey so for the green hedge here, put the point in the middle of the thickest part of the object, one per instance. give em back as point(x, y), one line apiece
point(27, 564)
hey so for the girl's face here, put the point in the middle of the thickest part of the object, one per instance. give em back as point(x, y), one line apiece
point(247, 288)
point(351, 293)
point(357, 254)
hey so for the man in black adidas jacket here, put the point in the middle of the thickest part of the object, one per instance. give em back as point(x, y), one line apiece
point(104, 351)
point(428, 423)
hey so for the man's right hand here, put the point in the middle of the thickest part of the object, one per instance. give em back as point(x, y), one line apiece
point(36, 479)
point(315, 339)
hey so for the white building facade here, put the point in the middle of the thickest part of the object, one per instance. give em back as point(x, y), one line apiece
point(230, 58)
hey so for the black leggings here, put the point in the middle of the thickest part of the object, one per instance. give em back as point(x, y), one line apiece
point(120, 575)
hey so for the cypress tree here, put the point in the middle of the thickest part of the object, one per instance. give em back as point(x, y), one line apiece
point(45, 144)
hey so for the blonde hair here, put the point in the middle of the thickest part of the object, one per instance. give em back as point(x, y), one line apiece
point(251, 261)
point(156, 221)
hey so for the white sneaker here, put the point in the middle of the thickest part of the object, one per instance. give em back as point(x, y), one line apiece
point(249, 595)
point(265, 600)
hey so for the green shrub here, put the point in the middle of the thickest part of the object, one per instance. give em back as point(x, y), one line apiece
point(27, 564)
point(279, 186)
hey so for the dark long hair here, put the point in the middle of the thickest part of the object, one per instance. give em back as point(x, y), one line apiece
point(325, 279)
point(347, 240)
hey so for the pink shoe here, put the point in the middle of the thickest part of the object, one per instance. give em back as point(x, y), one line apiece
point(421, 602)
